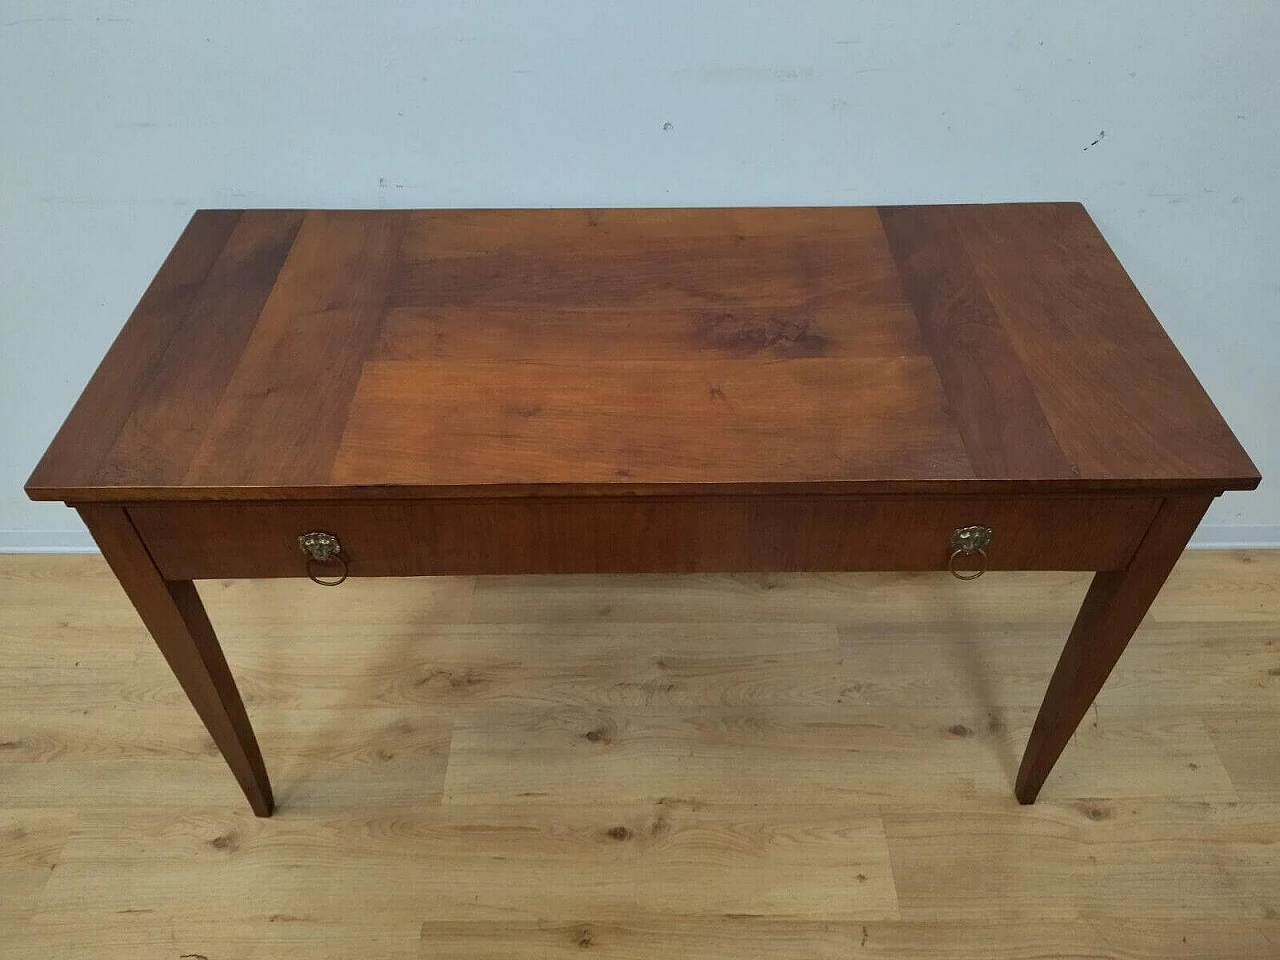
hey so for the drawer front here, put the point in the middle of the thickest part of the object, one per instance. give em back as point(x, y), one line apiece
point(650, 535)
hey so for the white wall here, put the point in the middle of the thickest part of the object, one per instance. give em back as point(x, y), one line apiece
point(116, 120)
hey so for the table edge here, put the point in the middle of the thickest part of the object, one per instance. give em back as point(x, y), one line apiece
point(861, 488)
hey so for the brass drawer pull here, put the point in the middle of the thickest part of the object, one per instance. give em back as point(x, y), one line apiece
point(965, 542)
point(320, 547)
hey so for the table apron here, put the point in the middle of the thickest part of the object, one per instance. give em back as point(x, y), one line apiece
point(706, 534)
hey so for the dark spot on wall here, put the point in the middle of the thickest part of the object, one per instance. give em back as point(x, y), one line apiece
point(583, 937)
point(599, 735)
point(959, 730)
point(1096, 813)
point(619, 833)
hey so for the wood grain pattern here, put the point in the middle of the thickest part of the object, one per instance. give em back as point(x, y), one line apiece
point(1247, 745)
point(1103, 853)
point(845, 753)
point(752, 938)
point(597, 857)
point(776, 261)
point(827, 327)
point(78, 454)
point(999, 418)
point(1131, 854)
point(1114, 606)
point(165, 427)
point(1077, 306)
point(653, 422)
point(417, 354)
point(30, 843)
point(175, 617)
point(672, 660)
point(642, 535)
point(303, 361)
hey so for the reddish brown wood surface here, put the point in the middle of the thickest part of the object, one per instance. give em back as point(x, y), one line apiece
point(1112, 610)
point(175, 617)
point(641, 535)
point(1005, 432)
point(641, 390)
point(85, 448)
point(363, 354)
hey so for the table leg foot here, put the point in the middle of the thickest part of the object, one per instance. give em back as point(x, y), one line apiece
point(176, 619)
point(1114, 606)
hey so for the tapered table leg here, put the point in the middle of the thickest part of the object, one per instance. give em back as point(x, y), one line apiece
point(1114, 606)
point(173, 613)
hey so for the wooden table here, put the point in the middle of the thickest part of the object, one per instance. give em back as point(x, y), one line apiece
point(622, 391)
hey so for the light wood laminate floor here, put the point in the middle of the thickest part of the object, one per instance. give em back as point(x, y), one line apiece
point(641, 767)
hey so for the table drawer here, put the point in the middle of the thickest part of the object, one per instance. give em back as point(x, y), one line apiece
point(677, 535)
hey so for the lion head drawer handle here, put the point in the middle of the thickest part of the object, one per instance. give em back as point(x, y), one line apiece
point(319, 548)
point(965, 542)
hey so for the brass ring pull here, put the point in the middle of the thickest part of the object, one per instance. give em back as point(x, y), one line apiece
point(965, 542)
point(951, 564)
point(327, 583)
point(320, 547)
